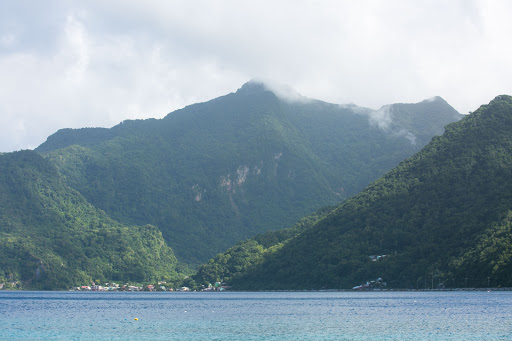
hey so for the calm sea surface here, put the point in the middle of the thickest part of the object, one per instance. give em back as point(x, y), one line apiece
point(256, 316)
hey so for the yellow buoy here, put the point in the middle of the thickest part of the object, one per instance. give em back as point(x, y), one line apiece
point(136, 319)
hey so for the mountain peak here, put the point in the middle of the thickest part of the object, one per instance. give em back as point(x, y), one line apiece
point(282, 91)
point(434, 99)
point(253, 86)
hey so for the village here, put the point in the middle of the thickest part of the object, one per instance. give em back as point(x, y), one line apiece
point(161, 286)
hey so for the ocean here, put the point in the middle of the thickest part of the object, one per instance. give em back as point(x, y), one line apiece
point(386, 315)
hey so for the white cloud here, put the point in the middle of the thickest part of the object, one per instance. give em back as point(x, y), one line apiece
point(7, 40)
point(283, 91)
point(97, 63)
point(381, 118)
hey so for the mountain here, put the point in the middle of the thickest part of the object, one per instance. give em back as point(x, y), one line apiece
point(440, 218)
point(52, 238)
point(214, 173)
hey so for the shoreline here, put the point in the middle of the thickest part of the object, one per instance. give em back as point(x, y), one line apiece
point(263, 291)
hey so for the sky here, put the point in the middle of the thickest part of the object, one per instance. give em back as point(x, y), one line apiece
point(95, 63)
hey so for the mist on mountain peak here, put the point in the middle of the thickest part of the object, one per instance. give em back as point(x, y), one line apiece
point(283, 91)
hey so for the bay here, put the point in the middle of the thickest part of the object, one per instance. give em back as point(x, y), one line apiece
point(451, 315)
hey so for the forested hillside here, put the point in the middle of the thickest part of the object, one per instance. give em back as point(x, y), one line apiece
point(218, 172)
point(440, 218)
point(240, 259)
point(52, 238)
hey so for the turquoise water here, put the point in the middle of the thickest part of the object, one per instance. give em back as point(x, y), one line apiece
point(256, 316)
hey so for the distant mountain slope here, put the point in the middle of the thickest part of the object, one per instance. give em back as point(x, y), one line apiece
point(245, 255)
point(52, 238)
point(214, 173)
point(441, 216)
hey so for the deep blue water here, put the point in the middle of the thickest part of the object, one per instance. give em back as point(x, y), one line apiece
point(256, 316)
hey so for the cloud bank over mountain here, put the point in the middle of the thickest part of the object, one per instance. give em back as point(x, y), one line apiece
point(97, 63)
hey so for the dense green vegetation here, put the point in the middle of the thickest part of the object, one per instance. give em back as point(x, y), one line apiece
point(441, 216)
point(101, 205)
point(241, 258)
point(52, 238)
point(215, 173)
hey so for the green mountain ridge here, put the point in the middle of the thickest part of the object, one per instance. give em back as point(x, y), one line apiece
point(52, 238)
point(214, 173)
point(441, 217)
